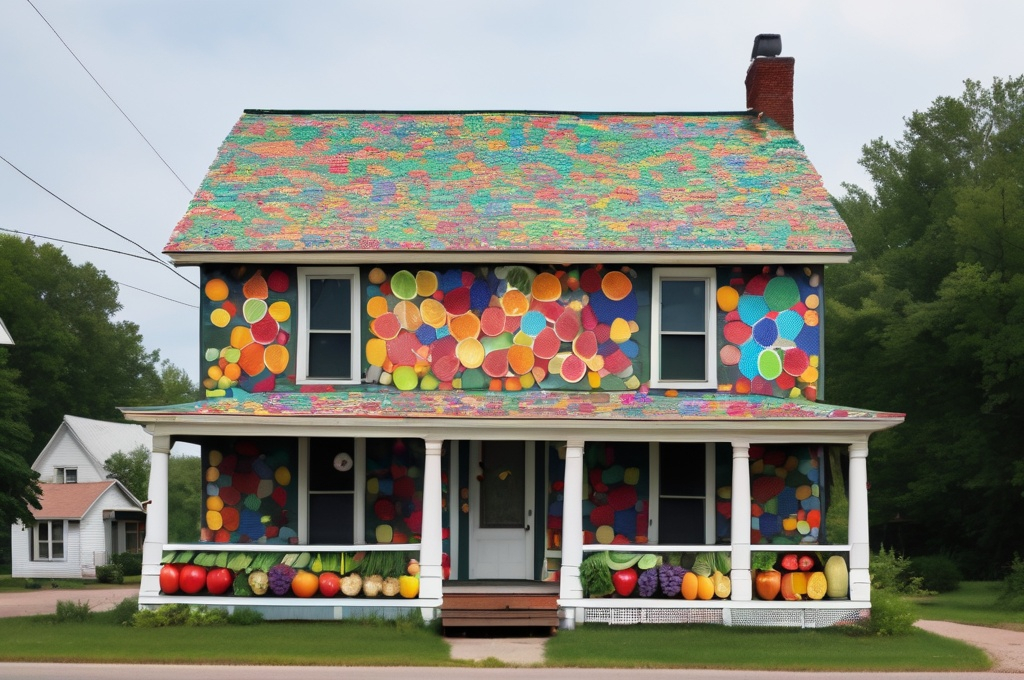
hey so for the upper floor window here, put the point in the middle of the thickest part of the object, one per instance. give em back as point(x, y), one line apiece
point(65, 475)
point(683, 323)
point(328, 343)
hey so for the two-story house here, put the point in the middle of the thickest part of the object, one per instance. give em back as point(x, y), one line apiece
point(503, 342)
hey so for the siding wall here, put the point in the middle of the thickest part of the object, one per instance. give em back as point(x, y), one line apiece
point(64, 451)
point(21, 555)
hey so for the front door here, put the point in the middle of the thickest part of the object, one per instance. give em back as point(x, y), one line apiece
point(501, 517)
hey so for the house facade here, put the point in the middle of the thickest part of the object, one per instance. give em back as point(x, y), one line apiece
point(520, 346)
point(85, 516)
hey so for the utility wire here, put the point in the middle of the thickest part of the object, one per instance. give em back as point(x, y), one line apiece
point(166, 164)
point(156, 295)
point(76, 243)
point(98, 223)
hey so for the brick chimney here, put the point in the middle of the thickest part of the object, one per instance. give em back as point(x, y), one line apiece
point(770, 80)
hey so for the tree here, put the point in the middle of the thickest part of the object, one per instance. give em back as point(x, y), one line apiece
point(71, 356)
point(176, 386)
point(929, 320)
point(132, 470)
point(19, 488)
point(184, 477)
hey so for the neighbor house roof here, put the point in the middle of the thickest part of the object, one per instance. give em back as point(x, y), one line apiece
point(101, 439)
point(465, 182)
point(68, 501)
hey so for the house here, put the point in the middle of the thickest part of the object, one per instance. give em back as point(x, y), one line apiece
point(5, 335)
point(85, 516)
point(512, 344)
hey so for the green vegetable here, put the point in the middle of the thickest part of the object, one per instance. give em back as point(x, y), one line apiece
point(762, 561)
point(723, 562)
point(648, 561)
point(595, 577)
point(704, 564)
point(241, 585)
point(221, 560)
point(617, 561)
point(168, 558)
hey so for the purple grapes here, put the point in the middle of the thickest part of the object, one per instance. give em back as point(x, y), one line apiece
point(280, 577)
point(670, 578)
point(647, 583)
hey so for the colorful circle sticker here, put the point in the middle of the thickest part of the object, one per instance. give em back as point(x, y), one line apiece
point(220, 317)
point(470, 352)
point(254, 309)
point(546, 287)
point(216, 290)
point(426, 283)
point(403, 285)
point(433, 313)
point(616, 285)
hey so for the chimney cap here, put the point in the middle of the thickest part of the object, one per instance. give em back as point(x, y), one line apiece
point(767, 45)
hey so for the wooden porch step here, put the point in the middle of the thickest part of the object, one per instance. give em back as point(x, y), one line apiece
point(499, 610)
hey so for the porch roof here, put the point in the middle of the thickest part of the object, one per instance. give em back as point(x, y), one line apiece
point(384, 403)
point(365, 182)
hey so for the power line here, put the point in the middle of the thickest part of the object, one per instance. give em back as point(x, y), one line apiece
point(76, 243)
point(97, 222)
point(157, 295)
point(68, 47)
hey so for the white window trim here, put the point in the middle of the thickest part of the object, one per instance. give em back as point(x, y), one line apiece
point(708, 276)
point(302, 345)
point(63, 541)
point(60, 475)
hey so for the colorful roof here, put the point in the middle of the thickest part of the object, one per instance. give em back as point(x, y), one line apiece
point(68, 501)
point(379, 402)
point(510, 181)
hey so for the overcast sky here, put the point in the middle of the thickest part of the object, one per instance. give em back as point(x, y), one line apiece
point(184, 70)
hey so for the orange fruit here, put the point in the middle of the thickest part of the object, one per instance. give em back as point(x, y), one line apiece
point(305, 583)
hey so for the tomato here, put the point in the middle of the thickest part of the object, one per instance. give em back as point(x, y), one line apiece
point(192, 578)
point(624, 581)
point(169, 579)
point(306, 583)
point(330, 584)
point(806, 563)
point(768, 583)
point(789, 562)
point(219, 581)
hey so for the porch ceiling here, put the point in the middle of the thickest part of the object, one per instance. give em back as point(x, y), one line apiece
point(547, 414)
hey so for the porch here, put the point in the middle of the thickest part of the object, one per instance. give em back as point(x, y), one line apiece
point(499, 604)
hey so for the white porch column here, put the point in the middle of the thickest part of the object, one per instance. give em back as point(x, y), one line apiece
point(860, 548)
point(156, 518)
point(570, 586)
point(742, 584)
point(430, 533)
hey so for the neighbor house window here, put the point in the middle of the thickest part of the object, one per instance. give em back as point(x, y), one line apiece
point(683, 328)
point(48, 541)
point(328, 344)
point(132, 537)
point(65, 475)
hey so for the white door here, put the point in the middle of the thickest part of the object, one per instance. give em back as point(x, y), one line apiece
point(501, 521)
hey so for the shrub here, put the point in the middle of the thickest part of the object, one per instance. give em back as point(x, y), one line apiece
point(179, 615)
point(125, 611)
point(130, 563)
point(72, 612)
point(109, 573)
point(938, 573)
point(1013, 586)
point(32, 584)
point(891, 572)
point(243, 616)
point(891, 614)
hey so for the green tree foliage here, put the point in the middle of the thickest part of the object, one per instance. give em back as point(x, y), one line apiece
point(176, 386)
point(72, 357)
point(132, 470)
point(184, 482)
point(929, 320)
point(18, 482)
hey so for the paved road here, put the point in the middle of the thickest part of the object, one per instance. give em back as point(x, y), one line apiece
point(22, 671)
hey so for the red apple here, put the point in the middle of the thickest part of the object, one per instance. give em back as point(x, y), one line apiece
point(806, 563)
point(789, 562)
point(330, 584)
point(624, 581)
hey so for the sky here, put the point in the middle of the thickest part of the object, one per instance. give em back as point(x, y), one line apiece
point(183, 71)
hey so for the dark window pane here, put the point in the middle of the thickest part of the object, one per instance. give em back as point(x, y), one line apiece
point(329, 355)
point(330, 518)
point(323, 475)
point(330, 304)
point(44, 551)
point(502, 489)
point(683, 306)
point(683, 357)
point(58, 551)
point(43, 531)
point(682, 469)
point(58, 531)
point(71, 476)
point(681, 521)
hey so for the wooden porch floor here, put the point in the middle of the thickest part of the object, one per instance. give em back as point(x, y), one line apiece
point(499, 604)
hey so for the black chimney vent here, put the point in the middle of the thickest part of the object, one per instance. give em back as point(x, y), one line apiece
point(767, 45)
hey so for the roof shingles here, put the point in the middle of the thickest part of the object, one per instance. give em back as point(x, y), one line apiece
point(68, 501)
point(478, 182)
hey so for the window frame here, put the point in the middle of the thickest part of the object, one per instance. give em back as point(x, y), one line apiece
point(655, 496)
point(61, 475)
point(708, 276)
point(49, 542)
point(304, 276)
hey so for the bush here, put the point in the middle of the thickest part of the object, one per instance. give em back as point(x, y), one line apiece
point(1013, 586)
point(938, 573)
point(31, 584)
point(179, 615)
point(129, 563)
point(891, 572)
point(125, 611)
point(243, 616)
point(72, 612)
point(891, 614)
point(109, 573)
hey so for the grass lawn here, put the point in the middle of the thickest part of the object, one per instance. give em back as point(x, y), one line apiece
point(9, 583)
point(975, 602)
point(672, 646)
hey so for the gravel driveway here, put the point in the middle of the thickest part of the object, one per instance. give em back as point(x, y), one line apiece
point(44, 600)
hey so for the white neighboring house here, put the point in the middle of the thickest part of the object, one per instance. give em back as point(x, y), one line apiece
point(85, 517)
point(5, 335)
